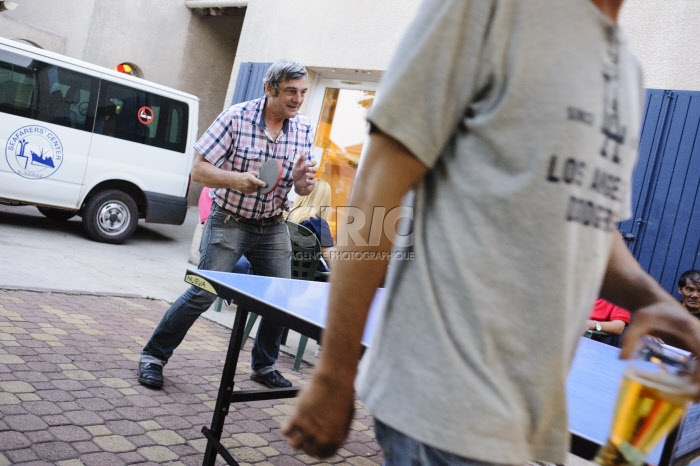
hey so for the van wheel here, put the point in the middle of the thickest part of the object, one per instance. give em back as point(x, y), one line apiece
point(57, 214)
point(110, 216)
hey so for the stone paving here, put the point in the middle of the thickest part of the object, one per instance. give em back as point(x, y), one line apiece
point(69, 394)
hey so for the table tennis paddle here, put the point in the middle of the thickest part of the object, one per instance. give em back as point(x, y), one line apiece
point(271, 173)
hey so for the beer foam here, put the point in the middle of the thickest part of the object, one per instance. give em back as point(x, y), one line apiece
point(671, 384)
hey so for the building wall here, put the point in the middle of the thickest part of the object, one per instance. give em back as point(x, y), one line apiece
point(12, 28)
point(665, 35)
point(350, 35)
point(362, 35)
point(40, 20)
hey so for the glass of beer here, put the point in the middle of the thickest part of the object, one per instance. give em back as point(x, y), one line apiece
point(655, 392)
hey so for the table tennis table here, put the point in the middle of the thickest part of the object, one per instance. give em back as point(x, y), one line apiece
point(301, 306)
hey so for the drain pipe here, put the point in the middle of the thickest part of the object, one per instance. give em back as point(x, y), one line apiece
point(10, 5)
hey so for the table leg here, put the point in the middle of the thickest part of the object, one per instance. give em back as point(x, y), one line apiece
point(223, 399)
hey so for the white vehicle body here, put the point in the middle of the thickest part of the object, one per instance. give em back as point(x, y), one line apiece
point(79, 139)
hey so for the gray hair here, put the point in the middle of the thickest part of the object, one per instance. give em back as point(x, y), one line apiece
point(283, 70)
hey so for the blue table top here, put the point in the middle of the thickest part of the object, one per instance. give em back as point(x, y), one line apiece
point(592, 384)
point(306, 300)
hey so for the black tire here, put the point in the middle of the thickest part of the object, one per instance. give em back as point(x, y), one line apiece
point(110, 216)
point(57, 214)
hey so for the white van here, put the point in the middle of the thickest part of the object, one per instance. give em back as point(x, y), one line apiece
point(79, 139)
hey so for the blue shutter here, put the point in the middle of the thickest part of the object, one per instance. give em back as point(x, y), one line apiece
point(249, 84)
point(664, 231)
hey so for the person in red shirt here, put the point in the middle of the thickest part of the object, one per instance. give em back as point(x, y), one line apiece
point(608, 318)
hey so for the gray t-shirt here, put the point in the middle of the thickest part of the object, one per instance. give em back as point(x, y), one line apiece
point(527, 114)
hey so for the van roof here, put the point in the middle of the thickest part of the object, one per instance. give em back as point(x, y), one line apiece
point(138, 82)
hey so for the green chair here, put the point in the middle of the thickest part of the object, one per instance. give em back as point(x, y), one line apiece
point(306, 256)
point(596, 335)
point(217, 304)
point(604, 337)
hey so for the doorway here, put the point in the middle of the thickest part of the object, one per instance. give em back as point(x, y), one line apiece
point(340, 108)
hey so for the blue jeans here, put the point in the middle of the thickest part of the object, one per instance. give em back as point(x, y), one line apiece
point(401, 450)
point(224, 240)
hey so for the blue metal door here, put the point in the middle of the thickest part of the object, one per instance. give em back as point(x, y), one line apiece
point(249, 84)
point(664, 231)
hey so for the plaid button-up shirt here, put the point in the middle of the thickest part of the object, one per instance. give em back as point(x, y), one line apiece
point(237, 141)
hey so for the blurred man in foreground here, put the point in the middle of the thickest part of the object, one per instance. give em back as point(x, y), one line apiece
point(517, 124)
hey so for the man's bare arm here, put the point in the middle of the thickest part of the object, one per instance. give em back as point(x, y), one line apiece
point(655, 312)
point(210, 176)
point(613, 327)
point(324, 410)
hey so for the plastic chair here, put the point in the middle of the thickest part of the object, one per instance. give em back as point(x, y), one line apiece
point(596, 335)
point(306, 256)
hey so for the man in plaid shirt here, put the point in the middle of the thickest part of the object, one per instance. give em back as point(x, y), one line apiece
point(243, 221)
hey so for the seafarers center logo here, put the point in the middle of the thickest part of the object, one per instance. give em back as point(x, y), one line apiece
point(34, 152)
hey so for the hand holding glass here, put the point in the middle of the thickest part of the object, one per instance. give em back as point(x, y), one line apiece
point(655, 392)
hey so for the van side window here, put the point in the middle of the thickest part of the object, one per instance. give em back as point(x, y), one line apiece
point(41, 91)
point(35, 89)
point(140, 116)
point(17, 84)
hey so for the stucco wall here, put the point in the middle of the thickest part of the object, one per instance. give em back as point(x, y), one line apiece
point(666, 36)
point(11, 28)
point(358, 34)
point(133, 31)
point(362, 35)
point(61, 18)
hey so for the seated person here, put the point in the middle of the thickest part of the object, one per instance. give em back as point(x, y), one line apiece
point(689, 288)
point(608, 318)
point(309, 211)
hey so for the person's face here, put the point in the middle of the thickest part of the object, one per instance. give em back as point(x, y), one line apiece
point(691, 296)
point(288, 100)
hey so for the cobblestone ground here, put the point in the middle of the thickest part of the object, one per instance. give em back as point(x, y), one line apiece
point(69, 394)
